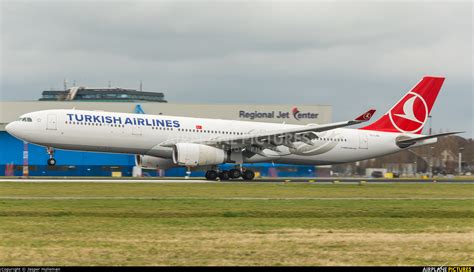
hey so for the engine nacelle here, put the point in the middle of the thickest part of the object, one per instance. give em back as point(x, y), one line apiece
point(189, 154)
point(150, 162)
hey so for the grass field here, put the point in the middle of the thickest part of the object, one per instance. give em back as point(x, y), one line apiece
point(236, 224)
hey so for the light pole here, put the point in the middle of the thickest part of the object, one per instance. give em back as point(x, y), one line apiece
point(460, 160)
point(415, 163)
point(415, 167)
point(429, 117)
point(431, 161)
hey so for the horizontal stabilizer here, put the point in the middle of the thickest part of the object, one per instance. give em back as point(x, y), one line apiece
point(406, 142)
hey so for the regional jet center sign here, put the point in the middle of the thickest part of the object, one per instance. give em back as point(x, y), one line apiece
point(295, 113)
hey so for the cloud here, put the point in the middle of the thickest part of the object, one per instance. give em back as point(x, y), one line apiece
point(352, 55)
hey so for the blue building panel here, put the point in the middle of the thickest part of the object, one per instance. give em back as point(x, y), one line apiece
point(70, 163)
point(77, 163)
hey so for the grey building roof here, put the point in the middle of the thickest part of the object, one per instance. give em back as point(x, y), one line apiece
point(101, 94)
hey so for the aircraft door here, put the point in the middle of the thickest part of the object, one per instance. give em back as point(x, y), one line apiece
point(363, 140)
point(52, 122)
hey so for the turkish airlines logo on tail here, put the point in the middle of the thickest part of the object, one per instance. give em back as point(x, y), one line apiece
point(366, 116)
point(410, 114)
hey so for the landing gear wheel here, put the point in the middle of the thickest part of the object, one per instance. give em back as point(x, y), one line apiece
point(52, 162)
point(234, 173)
point(211, 175)
point(248, 175)
point(224, 175)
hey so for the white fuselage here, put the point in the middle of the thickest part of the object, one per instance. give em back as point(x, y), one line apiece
point(154, 134)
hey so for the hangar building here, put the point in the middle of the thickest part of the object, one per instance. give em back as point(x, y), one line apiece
point(74, 163)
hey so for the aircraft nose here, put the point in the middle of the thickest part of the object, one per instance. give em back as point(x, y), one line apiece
point(11, 127)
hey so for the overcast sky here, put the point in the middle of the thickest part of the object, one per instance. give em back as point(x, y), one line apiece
point(352, 55)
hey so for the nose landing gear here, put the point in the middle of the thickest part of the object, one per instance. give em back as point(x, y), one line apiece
point(51, 160)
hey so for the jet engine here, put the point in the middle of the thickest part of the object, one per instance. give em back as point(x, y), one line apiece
point(189, 154)
point(150, 162)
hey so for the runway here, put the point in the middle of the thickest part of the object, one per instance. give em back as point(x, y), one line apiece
point(260, 180)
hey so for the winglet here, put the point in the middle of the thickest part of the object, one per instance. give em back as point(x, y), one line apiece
point(365, 116)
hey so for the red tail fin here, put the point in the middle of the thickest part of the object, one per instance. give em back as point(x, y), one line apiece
point(410, 114)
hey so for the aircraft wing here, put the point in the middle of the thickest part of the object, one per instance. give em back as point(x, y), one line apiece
point(285, 137)
point(407, 141)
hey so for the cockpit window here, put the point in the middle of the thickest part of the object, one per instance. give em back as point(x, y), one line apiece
point(26, 119)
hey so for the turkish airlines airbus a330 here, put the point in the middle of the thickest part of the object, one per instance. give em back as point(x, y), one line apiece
point(170, 141)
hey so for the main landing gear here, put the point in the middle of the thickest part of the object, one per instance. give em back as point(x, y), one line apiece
point(211, 175)
point(51, 160)
point(246, 174)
